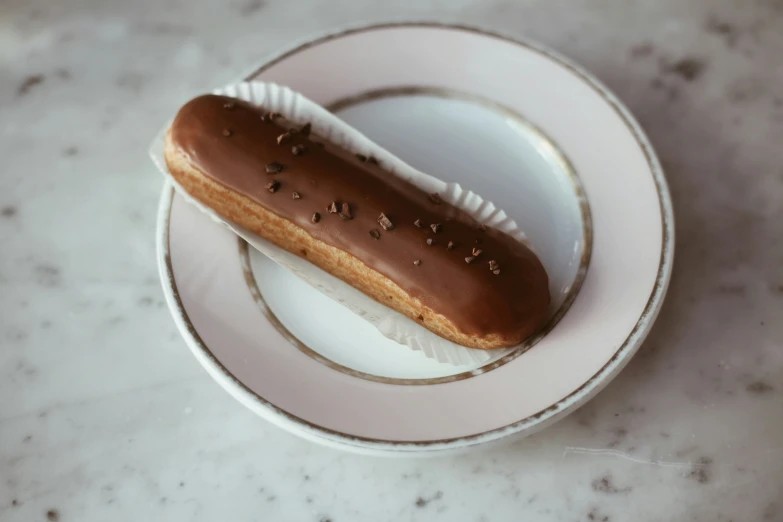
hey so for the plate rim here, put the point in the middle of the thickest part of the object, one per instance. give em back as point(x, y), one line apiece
point(559, 313)
point(529, 424)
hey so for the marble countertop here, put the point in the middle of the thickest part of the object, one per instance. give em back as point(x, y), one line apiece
point(105, 415)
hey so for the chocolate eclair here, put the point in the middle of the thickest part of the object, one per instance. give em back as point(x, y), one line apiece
point(407, 249)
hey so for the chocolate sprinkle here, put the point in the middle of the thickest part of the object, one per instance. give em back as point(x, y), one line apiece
point(273, 115)
point(274, 168)
point(316, 217)
point(375, 233)
point(298, 150)
point(493, 265)
point(283, 137)
point(318, 144)
point(430, 241)
point(496, 271)
point(450, 246)
point(372, 161)
point(229, 105)
point(435, 227)
point(417, 262)
point(332, 208)
point(385, 222)
point(361, 157)
point(435, 198)
point(418, 223)
point(305, 130)
point(265, 118)
point(227, 132)
point(469, 259)
point(476, 252)
point(345, 211)
point(272, 186)
point(295, 195)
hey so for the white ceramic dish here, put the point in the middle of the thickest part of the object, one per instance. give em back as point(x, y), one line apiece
point(517, 124)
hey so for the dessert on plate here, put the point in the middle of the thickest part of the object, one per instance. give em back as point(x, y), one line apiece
point(405, 248)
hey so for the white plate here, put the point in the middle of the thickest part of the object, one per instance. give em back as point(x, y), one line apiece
point(515, 123)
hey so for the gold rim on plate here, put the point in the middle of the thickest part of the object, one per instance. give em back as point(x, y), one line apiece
point(543, 417)
point(543, 142)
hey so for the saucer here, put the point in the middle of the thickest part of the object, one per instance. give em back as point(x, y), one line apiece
point(510, 120)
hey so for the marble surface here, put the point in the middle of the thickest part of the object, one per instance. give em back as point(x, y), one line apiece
point(105, 415)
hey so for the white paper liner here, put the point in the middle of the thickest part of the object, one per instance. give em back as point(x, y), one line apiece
point(298, 109)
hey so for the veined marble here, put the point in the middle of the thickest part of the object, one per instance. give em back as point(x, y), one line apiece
point(105, 415)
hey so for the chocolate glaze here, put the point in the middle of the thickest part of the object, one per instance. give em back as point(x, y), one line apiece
point(475, 299)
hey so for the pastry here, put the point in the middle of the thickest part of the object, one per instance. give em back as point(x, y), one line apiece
point(407, 249)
